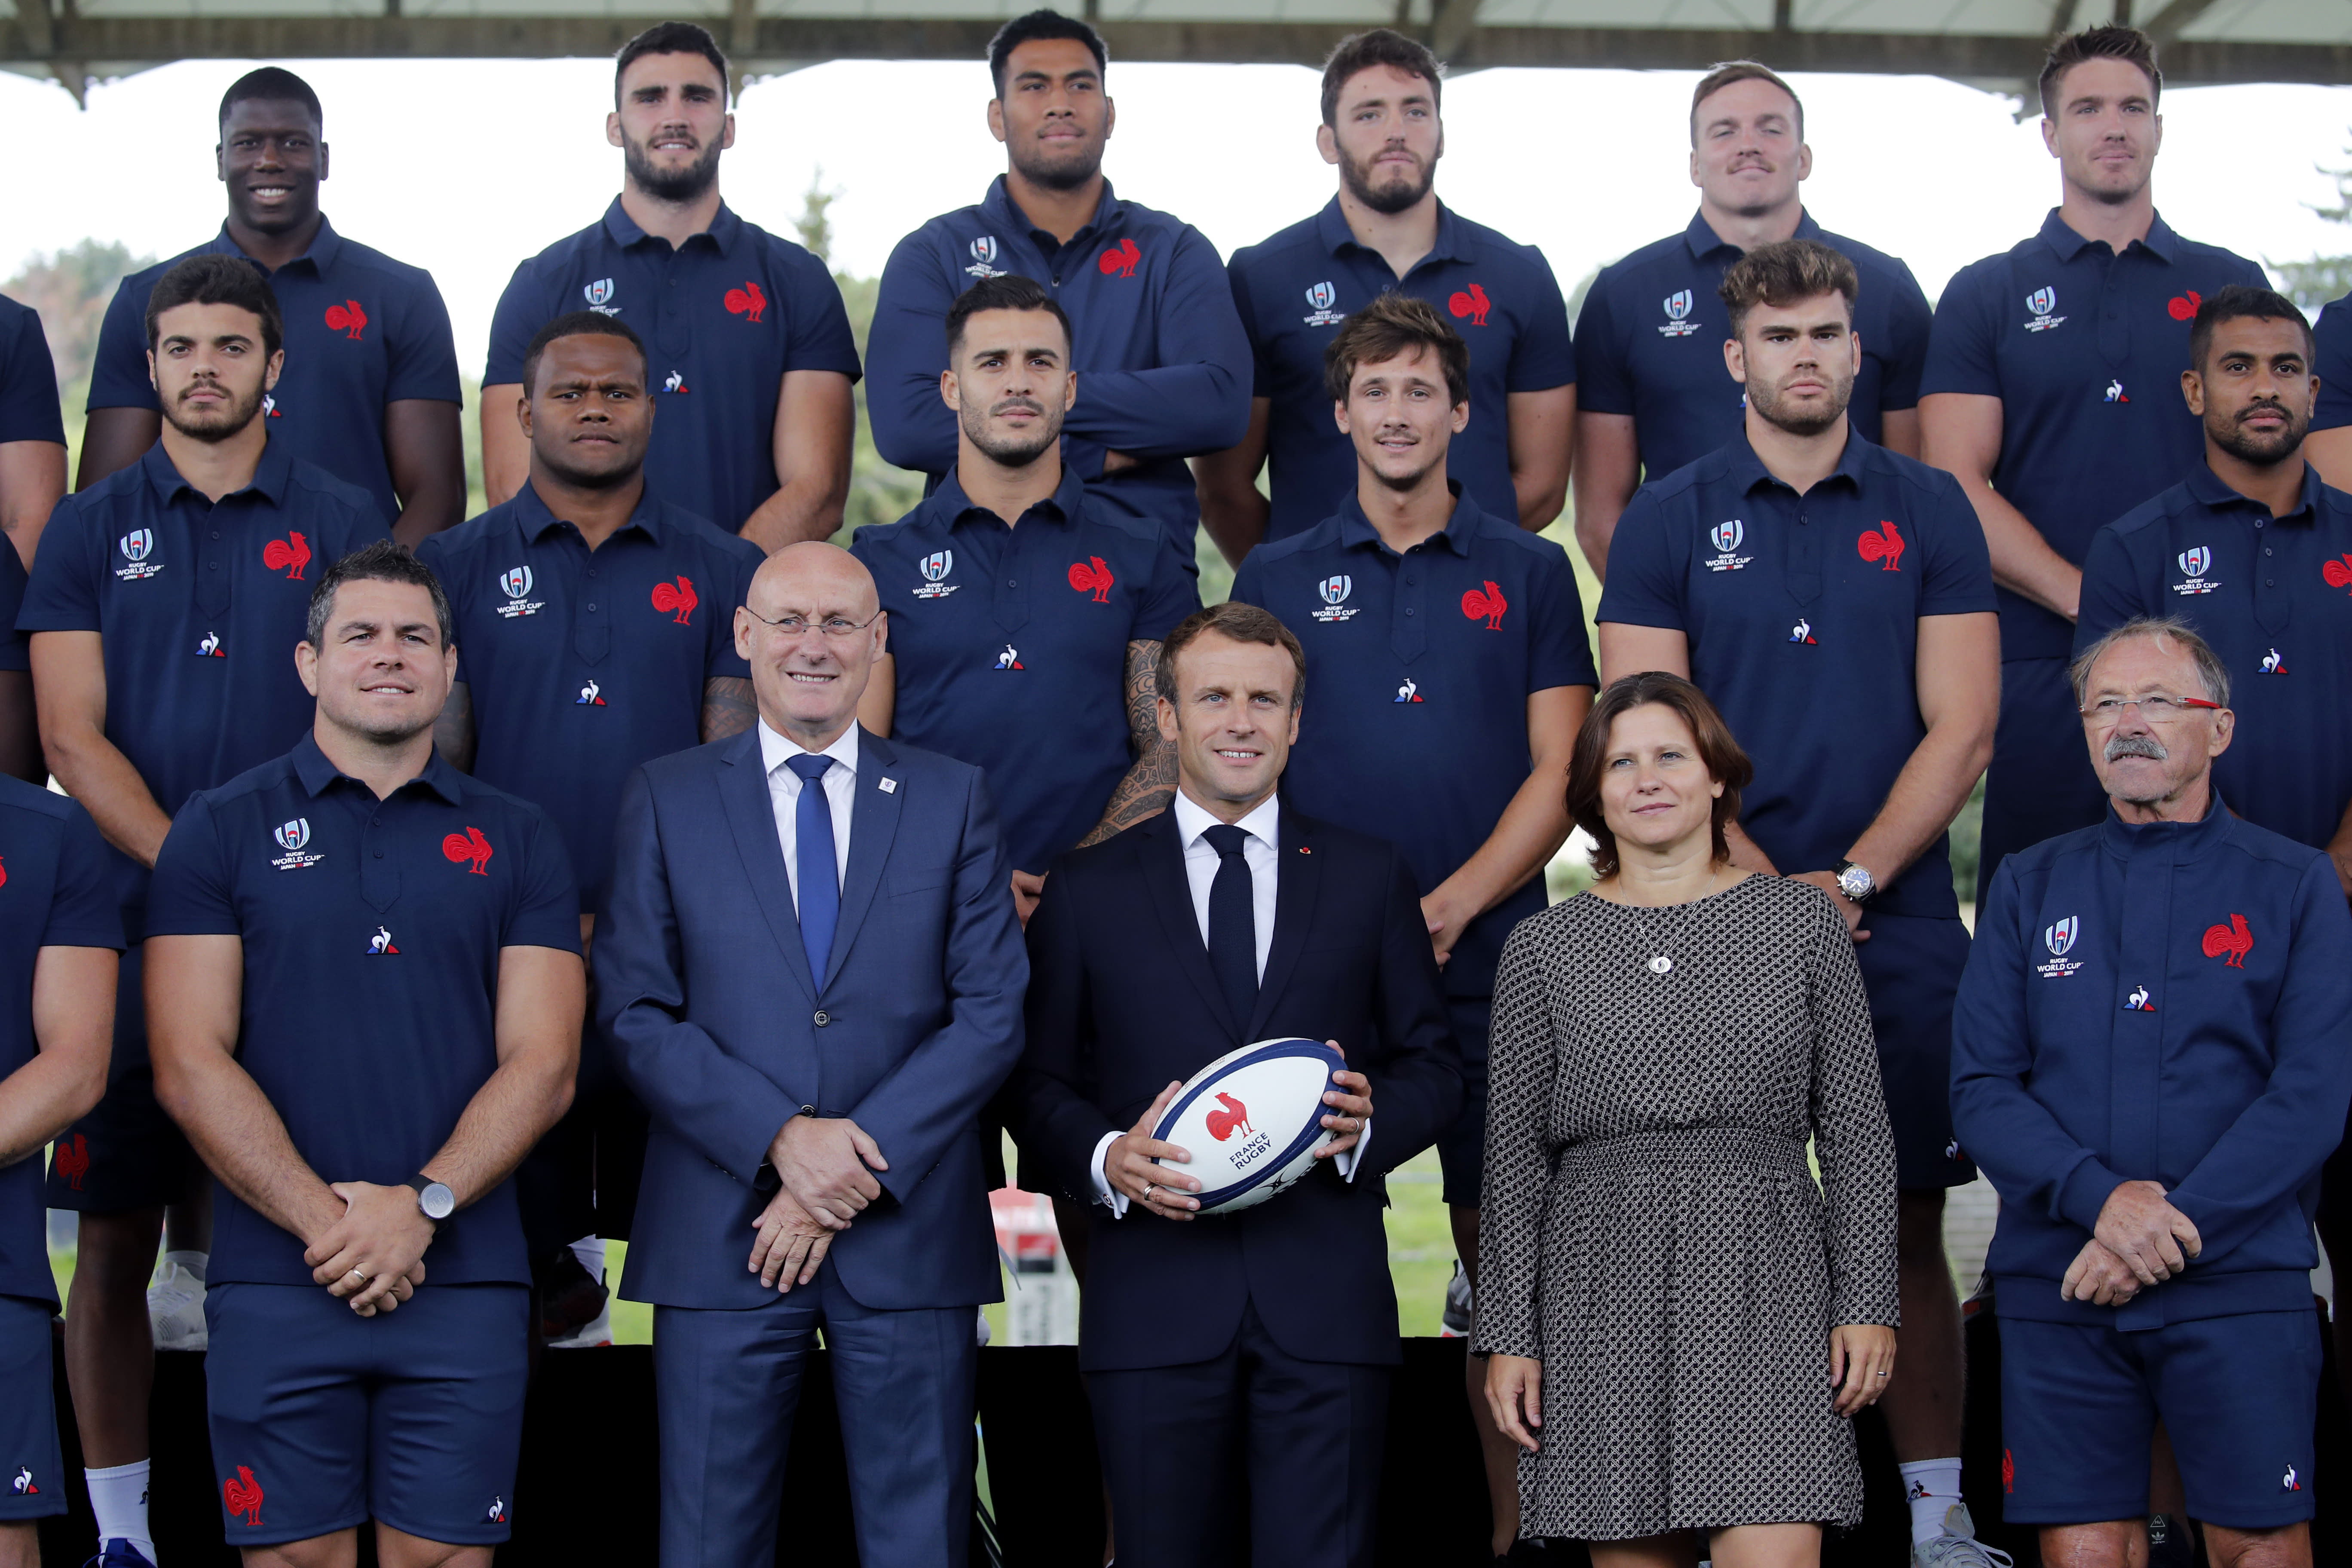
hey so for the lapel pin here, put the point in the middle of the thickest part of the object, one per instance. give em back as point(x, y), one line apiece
point(890, 786)
point(1304, 850)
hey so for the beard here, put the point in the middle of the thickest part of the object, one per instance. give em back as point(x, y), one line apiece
point(1797, 421)
point(1399, 194)
point(225, 425)
point(1058, 171)
point(1014, 451)
point(2263, 451)
point(1404, 483)
point(676, 186)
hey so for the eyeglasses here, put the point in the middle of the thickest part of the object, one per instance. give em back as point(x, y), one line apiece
point(2156, 708)
point(832, 626)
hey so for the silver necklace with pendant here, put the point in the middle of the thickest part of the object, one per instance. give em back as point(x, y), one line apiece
point(1659, 963)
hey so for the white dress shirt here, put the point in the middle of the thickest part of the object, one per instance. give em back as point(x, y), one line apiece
point(840, 782)
point(1260, 853)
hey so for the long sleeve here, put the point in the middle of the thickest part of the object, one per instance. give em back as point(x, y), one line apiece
point(1050, 1104)
point(904, 351)
point(1522, 1068)
point(1196, 399)
point(1852, 1140)
point(1416, 1076)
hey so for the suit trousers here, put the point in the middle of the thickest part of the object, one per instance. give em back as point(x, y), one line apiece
point(726, 1383)
point(1299, 1442)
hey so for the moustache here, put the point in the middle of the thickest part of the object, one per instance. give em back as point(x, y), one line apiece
point(2137, 746)
point(1020, 405)
point(2273, 409)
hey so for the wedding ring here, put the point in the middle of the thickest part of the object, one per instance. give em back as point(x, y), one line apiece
point(1149, 1188)
point(360, 1274)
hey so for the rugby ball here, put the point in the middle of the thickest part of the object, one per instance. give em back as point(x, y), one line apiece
point(1252, 1121)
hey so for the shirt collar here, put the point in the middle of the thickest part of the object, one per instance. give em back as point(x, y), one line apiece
point(1264, 824)
point(1702, 241)
point(1003, 213)
point(533, 516)
point(325, 247)
point(2207, 487)
point(776, 750)
point(269, 475)
point(1452, 235)
point(1747, 469)
point(2189, 839)
point(951, 506)
point(1356, 529)
point(2055, 233)
point(317, 773)
point(724, 229)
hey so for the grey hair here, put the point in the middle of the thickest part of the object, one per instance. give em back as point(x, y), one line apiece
point(2211, 671)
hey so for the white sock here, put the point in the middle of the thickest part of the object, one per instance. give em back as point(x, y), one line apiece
point(119, 1497)
point(590, 1251)
point(1932, 1486)
point(193, 1262)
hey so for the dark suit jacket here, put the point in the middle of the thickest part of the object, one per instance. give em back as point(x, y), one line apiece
point(703, 987)
point(1122, 1002)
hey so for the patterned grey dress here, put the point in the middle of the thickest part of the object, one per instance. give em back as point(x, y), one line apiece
point(1649, 1229)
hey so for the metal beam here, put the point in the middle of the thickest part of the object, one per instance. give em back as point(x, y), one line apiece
point(73, 39)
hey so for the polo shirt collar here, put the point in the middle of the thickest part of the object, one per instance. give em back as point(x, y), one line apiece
point(317, 773)
point(325, 247)
point(1746, 469)
point(951, 506)
point(2162, 241)
point(1356, 529)
point(1003, 213)
point(1702, 240)
point(2191, 839)
point(724, 230)
point(776, 750)
point(2207, 489)
point(1263, 823)
point(269, 475)
point(533, 518)
point(1453, 236)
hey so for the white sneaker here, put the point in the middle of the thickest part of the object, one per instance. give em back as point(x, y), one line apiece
point(1957, 1547)
point(175, 1309)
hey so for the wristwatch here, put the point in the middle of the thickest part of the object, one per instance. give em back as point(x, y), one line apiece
point(436, 1201)
point(1855, 882)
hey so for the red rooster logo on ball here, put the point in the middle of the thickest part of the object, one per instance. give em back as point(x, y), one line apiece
point(2236, 939)
point(678, 597)
point(468, 845)
point(289, 554)
point(1232, 1118)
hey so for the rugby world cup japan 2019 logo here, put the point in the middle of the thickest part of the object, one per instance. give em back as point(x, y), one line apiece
point(1726, 537)
point(599, 296)
point(2042, 302)
point(1322, 297)
point(136, 546)
point(935, 568)
point(294, 838)
point(1678, 323)
point(2059, 937)
point(983, 257)
point(2194, 562)
point(1333, 591)
point(515, 583)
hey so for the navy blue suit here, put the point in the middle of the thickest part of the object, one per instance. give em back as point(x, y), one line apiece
point(1263, 1335)
point(719, 1026)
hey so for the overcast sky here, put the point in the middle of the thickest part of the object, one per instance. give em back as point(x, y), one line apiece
point(467, 167)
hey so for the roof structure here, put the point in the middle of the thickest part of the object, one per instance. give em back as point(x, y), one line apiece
point(1994, 43)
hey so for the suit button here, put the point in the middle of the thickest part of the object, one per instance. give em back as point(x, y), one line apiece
point(822, 1018)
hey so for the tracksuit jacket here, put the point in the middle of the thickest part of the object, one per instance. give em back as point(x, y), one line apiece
point(2168, 1003)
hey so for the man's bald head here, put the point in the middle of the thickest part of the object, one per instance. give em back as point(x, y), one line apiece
point(811, 629)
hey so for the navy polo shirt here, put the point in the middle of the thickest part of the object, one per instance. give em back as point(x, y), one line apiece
point(15, 648)
point(28, 378)
point(1295, 289)
point(199, 605)
point(54, 892)
point(1419, 668)
point(371, 930)
point(2084, 348)
point(363, 331)
point(2273, 595)
point(724, 317)
point(1011, 646)
point(1649, 342)
point(1163, 369)
point(1803, 615)
point(2331, 358)
point(584, 664)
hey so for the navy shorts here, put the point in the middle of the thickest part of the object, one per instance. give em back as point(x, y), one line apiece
point(1462, 1148)
point(2080, 1403)
point(1911, 967)
point(126, 1153)
point(35, 1469)
point(323, 1419)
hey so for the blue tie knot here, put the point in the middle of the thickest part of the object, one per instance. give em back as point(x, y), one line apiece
point(1226, 839)
point(809, 766)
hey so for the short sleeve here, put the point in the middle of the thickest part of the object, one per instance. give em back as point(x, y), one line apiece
point(84, 909)
point(2332, 362)
point(545, 910)
point(720, 661)
point(1261, 373)
point(2110, 588)
point(62, 594)
point(1249, 579)
point(1644, 587)
point(29, 381)
point(1960, 341)
point(118, 371)
point(423, 355)
point(522, 311)
point(817, 321)
point(1959, 565)
point(1908, 323)
point(1559, 653)
point(16, 650)
point(1545, 354)
point(191, 893)
point(1604, 380)
point(1174, 593)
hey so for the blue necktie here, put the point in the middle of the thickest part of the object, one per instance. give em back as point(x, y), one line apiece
point(1233, 924)
point(820, 886)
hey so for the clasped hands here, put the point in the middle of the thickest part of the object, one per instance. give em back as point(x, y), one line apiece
point(1140, 1166)
point(2141, 1239)
point(372, 1254)
point(826, 1166)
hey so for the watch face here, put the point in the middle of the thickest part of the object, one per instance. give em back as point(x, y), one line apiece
point(1855, 882)
point(437, 1202)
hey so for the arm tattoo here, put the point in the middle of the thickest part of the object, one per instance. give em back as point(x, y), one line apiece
point(1151, 782)
point(728, 706)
